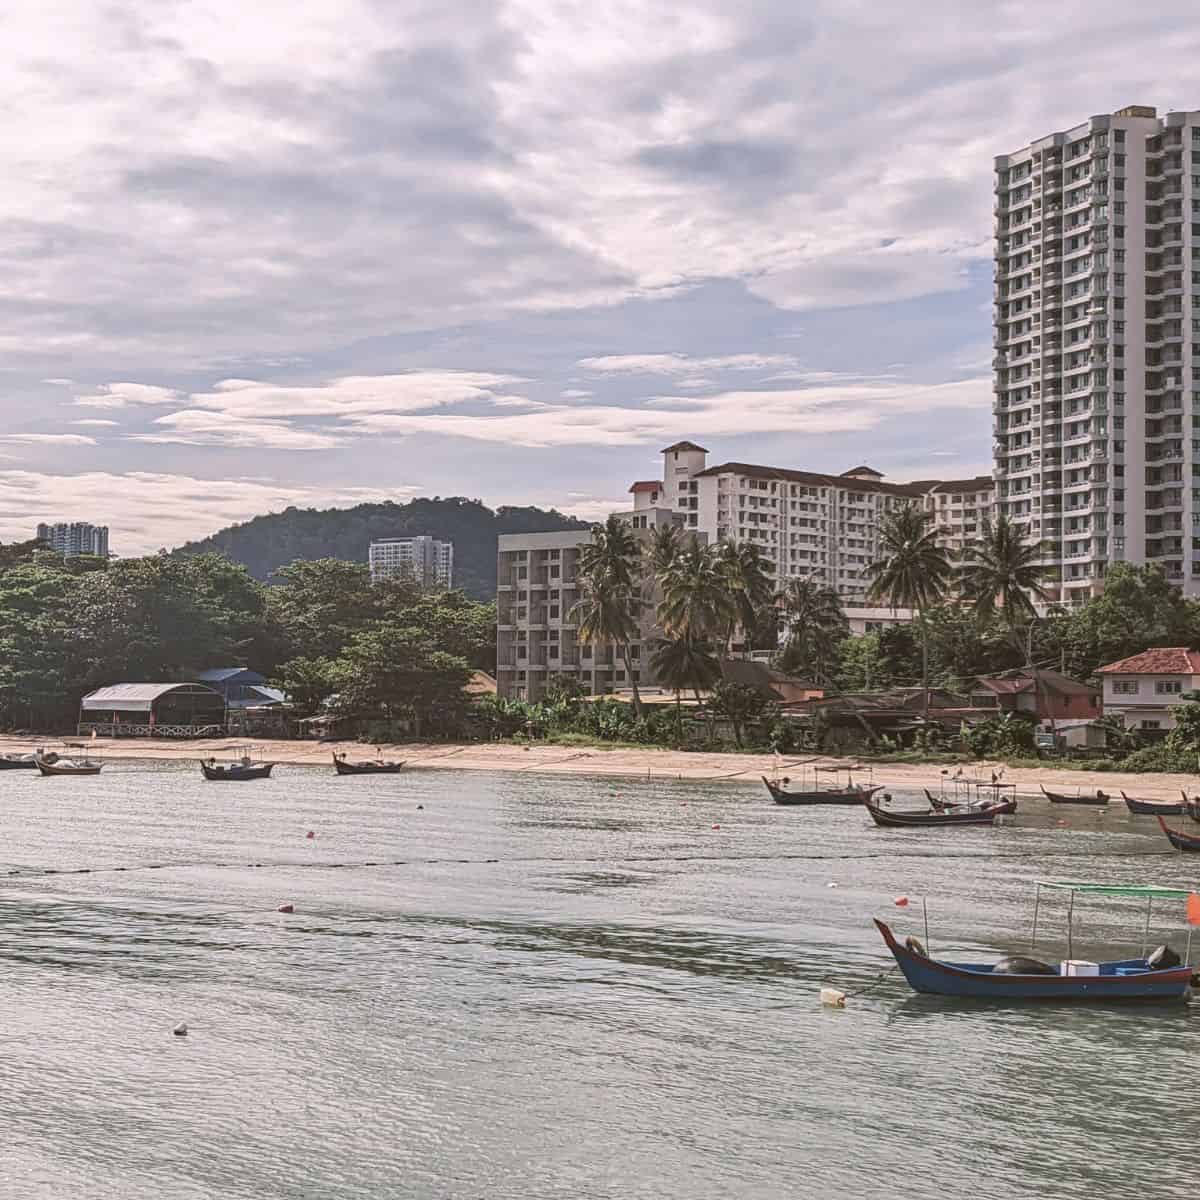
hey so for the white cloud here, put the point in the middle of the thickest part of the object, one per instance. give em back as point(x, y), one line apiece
point(119, 395)
point(49, 439)
point(576, 394)
point(681, 364)
point(60, 382)
point(199, 428)
point(146, 510)
point(97, 422)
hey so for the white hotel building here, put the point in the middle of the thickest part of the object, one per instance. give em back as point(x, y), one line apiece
point(807, 524)
point(1097, 381)
point(424, 559)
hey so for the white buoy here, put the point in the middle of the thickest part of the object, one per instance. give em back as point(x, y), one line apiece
point(829, 885)
point(180, 1030)
point(832, 998)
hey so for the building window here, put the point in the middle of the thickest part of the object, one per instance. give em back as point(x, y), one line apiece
point(1124, 687)
point(1151, 725)
point(1168, 687)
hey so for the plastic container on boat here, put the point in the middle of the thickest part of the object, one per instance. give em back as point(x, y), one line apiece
point(1078, 966)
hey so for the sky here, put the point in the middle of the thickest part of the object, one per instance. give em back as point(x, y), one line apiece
point(317, 252)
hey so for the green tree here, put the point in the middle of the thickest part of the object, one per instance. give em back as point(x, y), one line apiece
point(747, 576)
point(319, 606)
point(661, 549)
point(400, 671)
point(1003, 574)
point(739, 704)
point(912, 572)
point(308, 683)
point(683, 663)
point(815, 628)
point(696, 601)
point(610, 603)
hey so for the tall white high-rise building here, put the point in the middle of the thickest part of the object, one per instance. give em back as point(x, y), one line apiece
point(423, 558)
point(1097, 385)
point(75, 537)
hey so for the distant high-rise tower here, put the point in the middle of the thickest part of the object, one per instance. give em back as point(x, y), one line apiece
point(1097, 337)
point(75, 537)
point(423, 558)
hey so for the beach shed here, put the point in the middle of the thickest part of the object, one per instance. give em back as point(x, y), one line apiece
point(153, 710)
point(241, 687)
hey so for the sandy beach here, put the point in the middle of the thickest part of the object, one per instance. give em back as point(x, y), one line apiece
point(628, 763)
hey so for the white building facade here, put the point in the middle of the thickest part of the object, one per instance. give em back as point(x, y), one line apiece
point(1143, 689)
point(422, 558)
point(70, 538)
point(1097, 382)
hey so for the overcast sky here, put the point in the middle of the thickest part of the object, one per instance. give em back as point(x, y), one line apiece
point(320, 251)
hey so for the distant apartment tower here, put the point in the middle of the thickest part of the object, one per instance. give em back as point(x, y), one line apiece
point(809, 524)
point(1097, 346)
point(75, 537)
point(537, 633)
point(422, 558)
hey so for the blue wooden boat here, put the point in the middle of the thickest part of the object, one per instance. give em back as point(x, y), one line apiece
point(1180, 840)
point(1130, 979)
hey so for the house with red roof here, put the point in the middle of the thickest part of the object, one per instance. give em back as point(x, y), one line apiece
point(1141, 689)
point(1042, 695)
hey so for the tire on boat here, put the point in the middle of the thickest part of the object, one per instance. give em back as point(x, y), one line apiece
point(1019, 965)
point(1162, 957)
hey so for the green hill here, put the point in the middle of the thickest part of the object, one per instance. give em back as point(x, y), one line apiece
point(266, 543)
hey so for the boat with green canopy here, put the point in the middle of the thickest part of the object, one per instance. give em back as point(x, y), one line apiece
point(1158, 975)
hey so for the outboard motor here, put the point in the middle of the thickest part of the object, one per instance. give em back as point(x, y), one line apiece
point(1162, 958)
point(1017, 965)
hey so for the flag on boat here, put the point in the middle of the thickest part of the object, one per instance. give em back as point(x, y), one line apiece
point(1193, 909)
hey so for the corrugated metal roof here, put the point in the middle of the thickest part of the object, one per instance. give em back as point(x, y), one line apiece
point(223, 674)
point(136, 697)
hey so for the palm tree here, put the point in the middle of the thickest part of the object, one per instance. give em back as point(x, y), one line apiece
point(1002, 572)
point(913, 572)
point(609, 607)
point(748, 578)
point(696, 601)
point(815, 622)
point(661, 549)
point(684, 662)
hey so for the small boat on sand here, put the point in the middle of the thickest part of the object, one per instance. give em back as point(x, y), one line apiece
point(1151, 808)
point(19, 762)
point(56, 764)
point(244, 768)
point(1181, 841)
point(935, 819)
point(847, 793)
point(1098, 797)
point(379, 766)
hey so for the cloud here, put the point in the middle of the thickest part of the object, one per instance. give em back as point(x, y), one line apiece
point(576, 394)
point(681, 364)
point(145, 510)
point(97, 422)
point(197, 428)
point(119, 395)
point(49, 439)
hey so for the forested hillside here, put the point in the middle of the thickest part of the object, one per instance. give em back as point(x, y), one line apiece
point(269, 542)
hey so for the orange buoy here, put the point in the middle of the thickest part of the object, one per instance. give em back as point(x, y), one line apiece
point(716, 827)
point(310, 834)
point(901, 902)
point(287, 908)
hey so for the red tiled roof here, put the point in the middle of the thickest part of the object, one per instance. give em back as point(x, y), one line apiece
point(1020, 681)
point(647, 485)
point(812, 478)
point(864, 470)
point(685, 446)
point(1162, 660)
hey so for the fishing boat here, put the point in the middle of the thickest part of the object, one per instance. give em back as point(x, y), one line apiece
point(1098, 797)
point(1179, 839)
point(56, 764)
point(1190, 807)
point(1150, 808)
point(244, 768)
point(999, 804)
point(899, 819)
point(19, 762)
point(1156, 976)
point(379, 766)
point(847, 793)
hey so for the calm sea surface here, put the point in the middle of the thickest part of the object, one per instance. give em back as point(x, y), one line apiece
point(553, 987)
